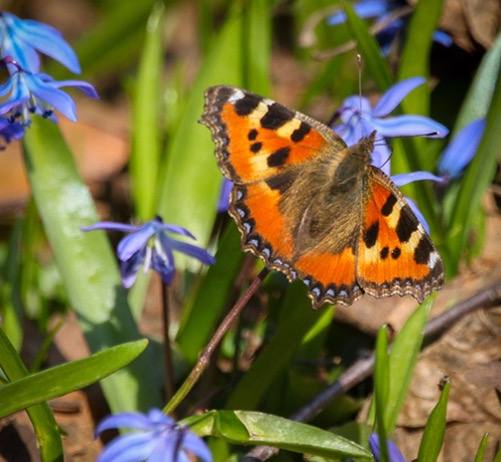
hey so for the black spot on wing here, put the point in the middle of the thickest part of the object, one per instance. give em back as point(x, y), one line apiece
point(276, 116)
point(252, 135)
point(279, 157)
point(388, 205)
point(406, 224)
point(423, 250)
point(395, 253)
point(299, 133)
point(370, 236)
point(256, 147)
point(384, 253)
point(244, 106)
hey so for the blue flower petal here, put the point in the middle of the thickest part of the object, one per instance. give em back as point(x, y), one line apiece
point(164, 451)
point(391, 99)
point(125, 420)
point(163, 264)
point(48, 41)
point(364, 9)
point(129, 268)
point(406, 178)
point(7, 87)
point(224, 196)
point(112, 226)
point(394, 453)
point(176, 229)
point(197, 446)
point(381, 156)
point(158, 417)
point(410, 125)
point(193, 251)
point(53, 96)
point(86, 87)
point(132, 243)
point(461, 149)
point(133, 447)
point(443, 38)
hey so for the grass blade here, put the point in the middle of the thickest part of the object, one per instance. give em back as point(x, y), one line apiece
point(433, 436)
point(381, 389)
point(402, 360)
point(482, 447)
point(475, 182)
point(46, 430)
point(145, 156)
point(59, 380)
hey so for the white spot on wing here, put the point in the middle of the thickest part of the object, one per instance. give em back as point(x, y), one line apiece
point(432, 261)
point(236, 95)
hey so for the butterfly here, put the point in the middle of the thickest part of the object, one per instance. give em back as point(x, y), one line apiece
point(314, 208)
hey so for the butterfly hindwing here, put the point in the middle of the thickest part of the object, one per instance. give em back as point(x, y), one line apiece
point(256, 138)
point(395, 255)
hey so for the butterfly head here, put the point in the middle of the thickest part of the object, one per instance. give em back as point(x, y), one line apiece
point(364, 148)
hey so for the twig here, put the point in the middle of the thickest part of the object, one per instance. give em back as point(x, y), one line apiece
point(168, 363)
point(204, 358)
point(486, 298)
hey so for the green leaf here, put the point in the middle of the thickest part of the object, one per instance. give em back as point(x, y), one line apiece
point(476, 102)
point(477, 178)
point(381, 389)
point(46, 429)
point(402, 360)
point(257, 46)
point(145, 156)
point(191, 179)
point(59, 380)
point(415, 60)
point(368, 48)
point(86, 262)
point(248, 427)
point(480, 454)
point(279, 352)
point(433, 435)
point(210, 300)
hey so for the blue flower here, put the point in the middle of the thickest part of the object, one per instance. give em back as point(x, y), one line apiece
point(22, 38)
point(149, 246)
point(29, 92)
point(158, 439)
point(224, 196)
point(461, 150)
point(10, 131)
point(359, 119)
point(383, 11)
point(394, 453)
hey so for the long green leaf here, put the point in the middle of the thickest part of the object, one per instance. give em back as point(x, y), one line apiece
point(59, 380)
point(416, 53)
point(368, 47)
point(381, 389)
point(433, 435)
point(482, 447)
point(476, 180)
point(278, 353)
point(86, 262)
point(476, 102)
point(248, 427)
point(192, 179)
point(145, 156)
point(212, 296)
point(402, 360)
point(46, 430)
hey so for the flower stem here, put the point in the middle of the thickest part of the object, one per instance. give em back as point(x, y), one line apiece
point(204, 358)
point(168, 364)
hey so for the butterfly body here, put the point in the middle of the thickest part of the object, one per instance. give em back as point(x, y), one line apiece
point(314, 208)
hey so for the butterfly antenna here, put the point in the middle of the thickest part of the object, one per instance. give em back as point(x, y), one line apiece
point(387, 160)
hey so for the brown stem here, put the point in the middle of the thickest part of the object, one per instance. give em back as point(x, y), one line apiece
point(168, 362)
point(204, 358)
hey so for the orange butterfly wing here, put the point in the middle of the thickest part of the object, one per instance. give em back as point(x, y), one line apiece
point(395, 255)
